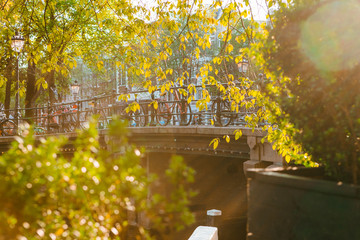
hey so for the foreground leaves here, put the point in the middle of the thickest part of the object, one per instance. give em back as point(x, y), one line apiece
point(47, 194)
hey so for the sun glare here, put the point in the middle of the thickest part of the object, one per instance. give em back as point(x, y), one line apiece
point(330, 36)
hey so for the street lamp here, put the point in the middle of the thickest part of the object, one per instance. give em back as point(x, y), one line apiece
point(17, 44)
point(243, 66)
point(75, 88)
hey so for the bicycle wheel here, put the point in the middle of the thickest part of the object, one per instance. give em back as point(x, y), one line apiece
point(134, 119)
point(103, 121)
point(71, 122)
point(241, 116)
point(139, 117)
point(87, 115)
point(222, 116)
point(81, 120)
point(67, 122)
point(183, 113)
point(8, 128)
point(163, 114)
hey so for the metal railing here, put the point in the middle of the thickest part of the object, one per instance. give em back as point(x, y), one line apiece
point(141, 109)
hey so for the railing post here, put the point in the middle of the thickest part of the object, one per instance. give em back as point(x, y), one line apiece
point(111, 111)
point(146, 113)
point(36, 116)
point(62, 120)
point(48, 118)
point(199, 121)
point(183, 110)
point(152, 115)
point(213, 217)
point(78, 124)
point(100, 125)
point(218, 110)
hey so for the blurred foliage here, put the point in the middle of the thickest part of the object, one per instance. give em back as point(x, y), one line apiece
point(92, 194)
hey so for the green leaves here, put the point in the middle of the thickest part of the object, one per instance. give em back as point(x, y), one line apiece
point(48, 193)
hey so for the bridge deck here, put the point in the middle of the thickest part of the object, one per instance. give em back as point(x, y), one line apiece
point(177, 139)
point(193, 140)
point(199, 130)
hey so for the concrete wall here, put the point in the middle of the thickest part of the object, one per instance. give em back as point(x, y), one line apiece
point(220, 183)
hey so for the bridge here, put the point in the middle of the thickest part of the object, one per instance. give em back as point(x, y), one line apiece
point(220, 177)
point(140, 108)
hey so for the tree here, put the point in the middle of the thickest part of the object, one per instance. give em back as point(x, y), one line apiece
point(54, 32)
point(319, 97)
point(161, 43)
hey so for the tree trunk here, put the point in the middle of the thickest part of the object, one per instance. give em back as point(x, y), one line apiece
point(31, 93)
point(51, 86)
point(9, 78)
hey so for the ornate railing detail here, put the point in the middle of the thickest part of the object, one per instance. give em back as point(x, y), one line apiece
point(141, 109)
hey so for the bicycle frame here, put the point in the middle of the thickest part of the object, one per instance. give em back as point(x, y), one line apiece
point(168, 111)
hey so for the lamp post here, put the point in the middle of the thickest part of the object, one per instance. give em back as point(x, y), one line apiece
point(243, 66)
point(75, 88)
point(17, 44)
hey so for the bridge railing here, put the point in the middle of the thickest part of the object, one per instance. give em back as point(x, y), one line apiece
point(140, 108)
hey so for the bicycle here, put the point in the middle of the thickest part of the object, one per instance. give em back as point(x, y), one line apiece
point(68, 120)
point(136, 118)
point(223, 115)
point(103, 121)
point(226, 114)
point(7, 126)
point(179, 109)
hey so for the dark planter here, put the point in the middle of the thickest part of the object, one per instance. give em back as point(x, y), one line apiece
point(296, 204)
